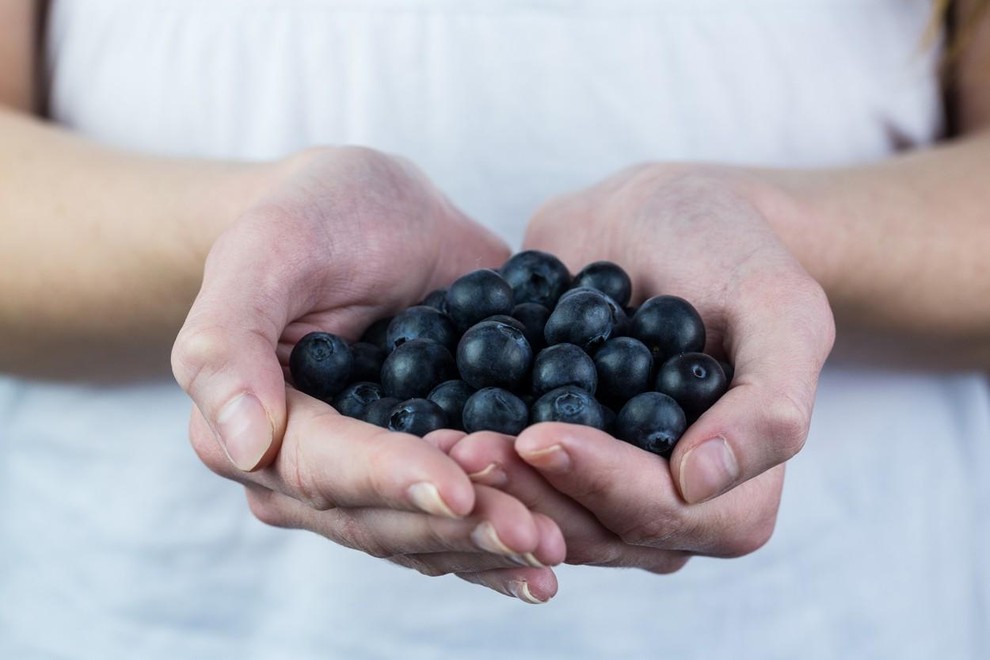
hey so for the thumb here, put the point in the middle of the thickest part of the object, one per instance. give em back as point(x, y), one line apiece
point(224, 357)
point(763, 420)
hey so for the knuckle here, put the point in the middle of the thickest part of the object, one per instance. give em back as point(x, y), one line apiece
point(755, 537)
point(355, 533)
point(787, 421)
point(264, 507)
point(302, 480)
point(421, 565)
point(595, 554)
point(195, 348)
point(654, 531)
point(669, 564)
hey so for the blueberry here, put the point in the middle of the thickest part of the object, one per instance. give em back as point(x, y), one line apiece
point(608, 415)
point(376, 333)
point(495, 409)
point(420, 322)
point(563, 364)
point(668, 325)
point(416, 367)
point(652, 421)
point(451, 395)
point(728, 370)
point(534, 317)
point(621, 318)
point(416, 416)
point(378, 412)
point(694, 380)
point(568, 404)
point(586, 318)
point(320, 364)
point(367, 365)
point(508, 320)
point(625, 366)
point(493, 354)
point(536, 277)
point(353, 400)
point(476, 296)
point(607, 277)
point(436, 299)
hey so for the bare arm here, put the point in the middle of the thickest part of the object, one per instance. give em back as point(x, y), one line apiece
point(102, 250)
point(901, 246)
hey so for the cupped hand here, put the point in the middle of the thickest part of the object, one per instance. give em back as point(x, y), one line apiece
point(345, 236)
point(616, 505)
point(697, 233)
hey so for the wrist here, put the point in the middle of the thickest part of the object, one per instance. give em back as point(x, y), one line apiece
point(784, 198)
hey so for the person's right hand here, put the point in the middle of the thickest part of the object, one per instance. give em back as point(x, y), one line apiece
point(346, 236)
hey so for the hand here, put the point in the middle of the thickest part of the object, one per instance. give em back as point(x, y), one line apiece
point(611, 515)
point(344, 237)
point(697, 233)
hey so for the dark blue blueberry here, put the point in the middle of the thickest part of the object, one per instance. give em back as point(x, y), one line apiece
point(451, 395)
point(536, 277)
point(416, 367)
point(625, 366)
point(378, 412)
point(493, 354)
point(563, 364)
point(694, 380)
point(585, 317)
point(495, 409)
point(509, 320)
point(728, 370)
point(608, 415)
point(353, 400)
point(607, 277)
point(651, 421)
point(534, 317)
point(568, 404)
point(437, 300)
point(320, 364)
point(421, 322)
point(376, 333)
point(416, 416)
point(476, 296)
point(668, 325)
point(367, 365)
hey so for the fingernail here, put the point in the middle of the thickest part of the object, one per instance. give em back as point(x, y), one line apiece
point(491, 475)
point(426, 497)
point(245, 431)
point(520, 589)
point(708, 470)
point(528, 559)
point(486, 538)
point(551, 459)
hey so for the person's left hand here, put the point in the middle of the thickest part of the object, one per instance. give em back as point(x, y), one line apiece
point(697, 233)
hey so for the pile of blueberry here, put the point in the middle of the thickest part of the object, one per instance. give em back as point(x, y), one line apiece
point(528, 343)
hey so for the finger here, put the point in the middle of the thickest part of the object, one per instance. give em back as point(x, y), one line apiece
point(490, 458)
point(492, 531)
point(224, 356)
point(328, 460)
point(778, 352)
point(443, 439)
point(530, 585)
point(631, 492)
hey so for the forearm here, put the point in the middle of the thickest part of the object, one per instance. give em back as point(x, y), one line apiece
point(102, 249)
point(900, 246)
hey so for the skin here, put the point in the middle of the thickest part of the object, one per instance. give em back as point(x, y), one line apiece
point(221, 234)
point(857, 234)
point(556, 492)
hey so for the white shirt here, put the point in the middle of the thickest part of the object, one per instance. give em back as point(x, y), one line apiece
point(117, 543)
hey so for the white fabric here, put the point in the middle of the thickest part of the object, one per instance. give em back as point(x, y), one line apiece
point(115, 542)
